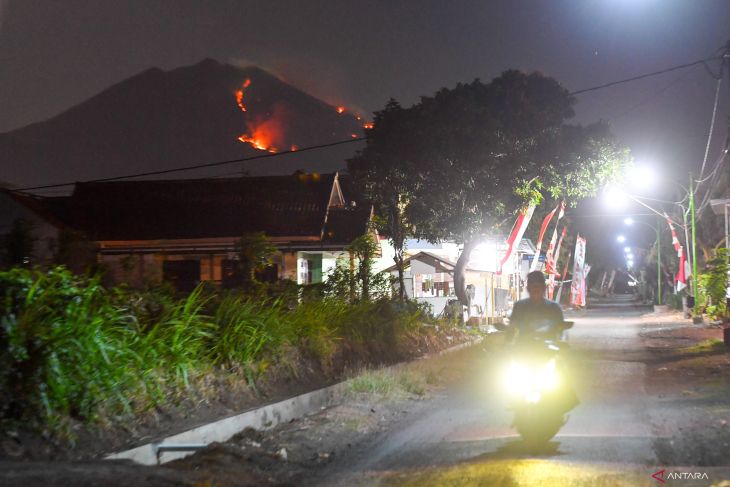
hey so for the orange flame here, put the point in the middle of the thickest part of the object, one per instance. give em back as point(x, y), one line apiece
point(259, 144)
point(266, 132)
point(340, 109)
point(239, 94)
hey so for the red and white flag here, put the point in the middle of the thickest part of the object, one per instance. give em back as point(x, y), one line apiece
point(551, 262)
point(553, 251)
point(577, 290)
point(516, 235)
point(545, 223)
point(680, 279)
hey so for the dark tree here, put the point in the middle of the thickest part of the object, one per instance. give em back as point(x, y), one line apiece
point(461, 164)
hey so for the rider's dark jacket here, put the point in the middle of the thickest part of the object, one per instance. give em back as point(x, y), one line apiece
point(528, 316)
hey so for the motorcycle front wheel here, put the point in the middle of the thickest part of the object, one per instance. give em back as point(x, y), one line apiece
point(535, 428)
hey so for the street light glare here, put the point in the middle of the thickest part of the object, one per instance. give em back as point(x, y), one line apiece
point(627, 249)
point(642, 176)
point(614, 197)
point(621, 239)
point(628, 221)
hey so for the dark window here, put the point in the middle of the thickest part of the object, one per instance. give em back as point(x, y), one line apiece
point(230, 274)
point(183, 274)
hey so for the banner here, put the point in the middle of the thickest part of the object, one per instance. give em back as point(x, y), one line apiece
point(683, 273)
point(516, 236)
point(552, 262)
point(543, 228)
point(577, 295)
point(553, 252)
point(584, 288)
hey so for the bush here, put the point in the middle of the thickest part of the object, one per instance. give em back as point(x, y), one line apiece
point(713, 284)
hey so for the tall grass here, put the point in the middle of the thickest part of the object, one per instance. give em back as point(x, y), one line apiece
point(71, 348)
point(246, 330)
point(63, 346)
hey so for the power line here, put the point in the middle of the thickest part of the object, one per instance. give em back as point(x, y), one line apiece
point(712, 126)
point(197, 166)
point(642, 76)
point(332, 144)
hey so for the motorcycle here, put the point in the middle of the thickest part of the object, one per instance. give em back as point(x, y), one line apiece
point(538, 388)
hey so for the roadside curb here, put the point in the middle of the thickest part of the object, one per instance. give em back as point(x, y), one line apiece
point(262, 418)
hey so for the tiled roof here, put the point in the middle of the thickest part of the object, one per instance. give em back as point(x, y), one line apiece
point(280, 206)
point(346, 224)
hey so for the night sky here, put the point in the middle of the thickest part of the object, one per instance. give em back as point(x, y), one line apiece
point(57, 54)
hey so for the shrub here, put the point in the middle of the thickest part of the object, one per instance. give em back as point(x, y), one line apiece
point(713, 284)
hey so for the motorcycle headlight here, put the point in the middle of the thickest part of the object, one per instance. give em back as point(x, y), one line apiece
point(519, 378)
point(549, 379)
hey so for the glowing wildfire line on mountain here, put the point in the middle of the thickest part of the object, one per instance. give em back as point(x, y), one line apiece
point(267, 132)
point(260, 135)
point(239, 94)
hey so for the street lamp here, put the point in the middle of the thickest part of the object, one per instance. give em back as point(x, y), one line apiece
point(620, 239)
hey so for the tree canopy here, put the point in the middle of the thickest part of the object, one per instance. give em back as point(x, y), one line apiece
point(460, 164)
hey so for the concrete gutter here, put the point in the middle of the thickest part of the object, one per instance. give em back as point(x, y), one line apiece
point(263, 418)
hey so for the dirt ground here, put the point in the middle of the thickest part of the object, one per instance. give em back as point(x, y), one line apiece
point(690, 368)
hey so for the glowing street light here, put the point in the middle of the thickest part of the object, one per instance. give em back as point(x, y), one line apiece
point(628, 221)
point(614, 197)
point(620, 239)
point(627, 249)
point(642, 176)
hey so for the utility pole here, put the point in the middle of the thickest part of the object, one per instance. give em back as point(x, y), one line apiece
point(659, 261)
point(694, 241)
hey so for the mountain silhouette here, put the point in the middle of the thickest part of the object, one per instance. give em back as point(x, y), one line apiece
point(159, 119)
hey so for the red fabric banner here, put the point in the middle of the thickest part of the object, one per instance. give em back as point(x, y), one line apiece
point(516, 235)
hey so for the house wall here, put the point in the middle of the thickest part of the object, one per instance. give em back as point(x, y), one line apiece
point(289, 267)
point(135, 270)
point(138, 270)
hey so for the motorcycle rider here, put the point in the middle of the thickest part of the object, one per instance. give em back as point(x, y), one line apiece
point(536, 314)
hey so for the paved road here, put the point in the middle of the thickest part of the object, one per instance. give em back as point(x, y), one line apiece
point(464, 437)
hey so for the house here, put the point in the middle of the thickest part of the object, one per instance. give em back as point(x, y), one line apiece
point(186, 231)
point(429, 274)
